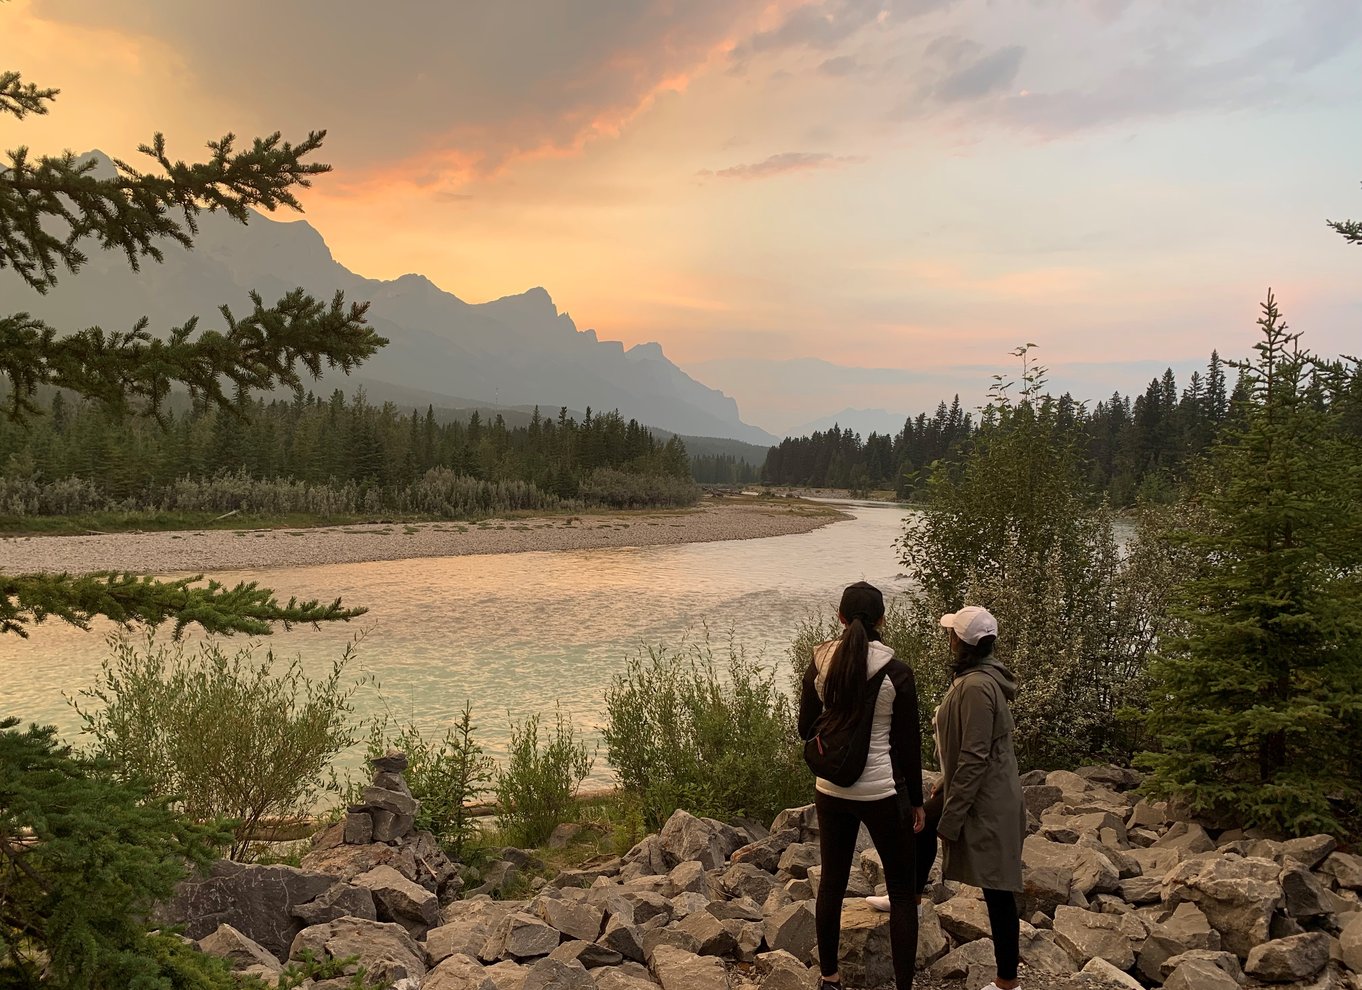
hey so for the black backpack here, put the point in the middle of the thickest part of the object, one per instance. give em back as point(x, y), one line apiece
point(837, 751)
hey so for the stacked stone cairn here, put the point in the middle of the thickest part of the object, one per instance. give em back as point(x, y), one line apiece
point(1120, 893)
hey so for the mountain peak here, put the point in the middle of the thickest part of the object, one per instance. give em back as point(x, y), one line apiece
point(648, 351)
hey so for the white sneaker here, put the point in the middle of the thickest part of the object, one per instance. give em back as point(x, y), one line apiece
point(994, 986)
point(880, 902)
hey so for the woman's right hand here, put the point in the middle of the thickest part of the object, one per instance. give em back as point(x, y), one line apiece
point(919, 819)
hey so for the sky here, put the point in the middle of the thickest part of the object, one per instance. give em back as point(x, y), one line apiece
point(811, 205)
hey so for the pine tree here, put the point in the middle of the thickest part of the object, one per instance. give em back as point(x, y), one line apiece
point(82, 857)
point(1254, 702)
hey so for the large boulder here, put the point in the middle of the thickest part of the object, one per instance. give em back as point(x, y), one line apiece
point(239, 951)
point(1309, 851)
point(1091, 870)
point(401, 900)
point(520, 936)
point(576, 920)
point(558, 974)
point(458, 971)
point(793, 929)
point(686, 837)
point(1238, 897)
point(965, 917)
point(1087, 934)
point(1284, 960)
point(1350, 942)
point(340, 900)
point(1345, 869)
point(386, 951)
point(677, 969)
point(1199, 974)
point(257, 901)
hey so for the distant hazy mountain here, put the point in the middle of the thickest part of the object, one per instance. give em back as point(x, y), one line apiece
point(516, 350)
point(862, 421)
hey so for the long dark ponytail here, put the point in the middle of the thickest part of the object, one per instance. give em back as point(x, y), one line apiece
point(861, 608)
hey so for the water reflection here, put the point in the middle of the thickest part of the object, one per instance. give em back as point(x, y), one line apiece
point(516, 633)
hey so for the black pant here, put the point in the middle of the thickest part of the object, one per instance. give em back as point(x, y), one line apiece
point(839, 821)
point(1003, 920)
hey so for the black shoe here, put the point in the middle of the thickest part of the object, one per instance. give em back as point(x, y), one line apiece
point(829, 985)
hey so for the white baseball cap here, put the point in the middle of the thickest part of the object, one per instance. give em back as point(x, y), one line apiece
point(972, 623)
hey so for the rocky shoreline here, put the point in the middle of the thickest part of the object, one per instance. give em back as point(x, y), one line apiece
point(1118, 895)
point(213, 551)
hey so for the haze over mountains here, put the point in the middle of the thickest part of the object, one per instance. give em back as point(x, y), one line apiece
point(516, 350)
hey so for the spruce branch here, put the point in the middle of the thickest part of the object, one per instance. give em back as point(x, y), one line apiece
point(28, 599)
point(261, 350)
point(21, 98)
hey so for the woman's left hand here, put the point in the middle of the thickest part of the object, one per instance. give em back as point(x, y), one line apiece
point(919, 819)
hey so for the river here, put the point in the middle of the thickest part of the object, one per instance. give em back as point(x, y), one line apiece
point(516, 633)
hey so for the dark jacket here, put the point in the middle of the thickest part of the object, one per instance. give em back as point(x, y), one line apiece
point(983, 817)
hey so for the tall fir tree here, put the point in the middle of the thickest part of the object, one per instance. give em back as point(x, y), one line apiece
point(1256, 700)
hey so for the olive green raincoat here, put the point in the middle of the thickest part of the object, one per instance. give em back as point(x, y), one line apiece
point(983, 817)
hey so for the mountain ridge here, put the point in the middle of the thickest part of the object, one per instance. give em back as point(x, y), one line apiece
point(517, 349)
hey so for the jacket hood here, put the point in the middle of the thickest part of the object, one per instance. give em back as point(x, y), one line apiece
point(1004, 677)
point(875, 660)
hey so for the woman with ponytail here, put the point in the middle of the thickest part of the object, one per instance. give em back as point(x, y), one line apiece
point(887, 796)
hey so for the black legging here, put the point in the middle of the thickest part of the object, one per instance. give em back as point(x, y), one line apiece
point(1003, 920)
point(839, 821)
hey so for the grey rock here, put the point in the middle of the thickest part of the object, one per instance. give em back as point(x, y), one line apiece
point(1044, 888)
point(1040, 952)
point(798, 858)
point(738, 909)
point(1304, 896)
point(624, 938)
point(592, 955)
point(691, 876)
point(391, 827)
point(359, 828)
point(558, 974)
point(676, 969)
point(965, 918)
point(399, 899)
point(782, 971)
point(508, 975)
point(393, 761)
point(340, 900)
point(655, 938)
point(803, 820)
point(239, 951)
point(520, 936)
point(687, 903)
point(1100, 969)
point(465, 937)
point(1040, 797)
point(1345, 869)
point(386, 951)
point(973, 962)
point(257, 901)
point(615, 979)
point(576, 921)
point(1198, 974)
point(1284, 960)
point(1238, 896)
point(792, 929)
point(458, 971)
point(1087, 934)
point(1189, 925)
point(685, 837)
point(765, 853)
point(1310, 851)
point(712, 938)
point(1141, 890)
point(1350, 943)
point(647, 856)
point(1187, 837)
point(748, 880)
point(1226, 961)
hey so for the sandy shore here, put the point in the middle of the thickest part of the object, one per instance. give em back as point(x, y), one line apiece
point(211, 551)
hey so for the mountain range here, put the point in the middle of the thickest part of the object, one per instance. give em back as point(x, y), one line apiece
point(518, 350)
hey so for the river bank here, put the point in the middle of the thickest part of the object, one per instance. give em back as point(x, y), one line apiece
point(225, 550)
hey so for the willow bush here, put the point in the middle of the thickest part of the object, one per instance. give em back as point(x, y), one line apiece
point(224, 736)
point(716, 737)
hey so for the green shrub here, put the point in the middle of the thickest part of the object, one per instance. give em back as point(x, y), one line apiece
point(720, 742)
point(535, 789)
point(222, 734)
point(84, 857)
point(624, 490)
point(445, 775)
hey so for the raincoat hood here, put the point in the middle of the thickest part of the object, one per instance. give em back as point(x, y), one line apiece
point(1005, 679)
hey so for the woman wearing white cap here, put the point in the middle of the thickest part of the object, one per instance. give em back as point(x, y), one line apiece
point(977, 810)
point(983, 819)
